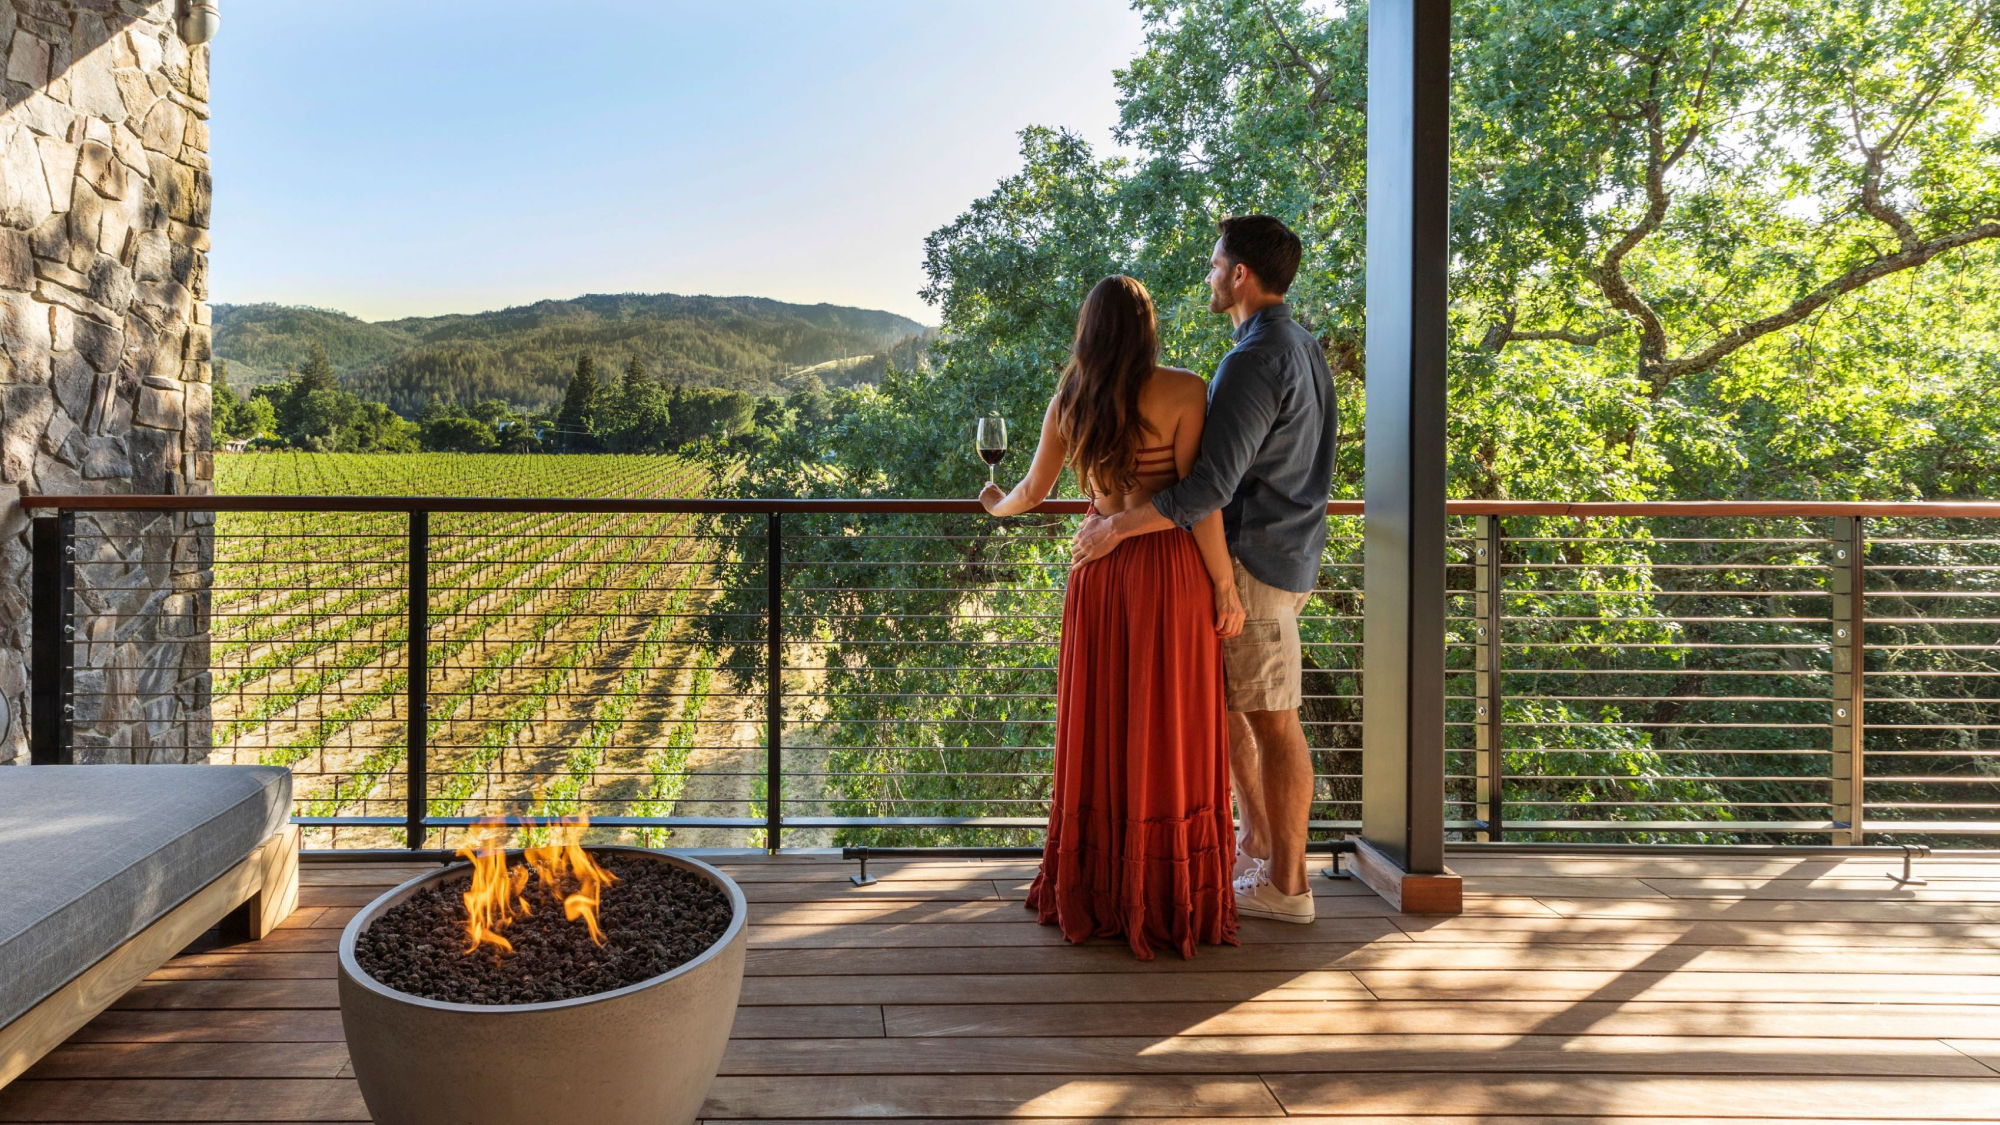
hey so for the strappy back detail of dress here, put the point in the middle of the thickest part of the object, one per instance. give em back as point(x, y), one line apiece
point(1156, 461)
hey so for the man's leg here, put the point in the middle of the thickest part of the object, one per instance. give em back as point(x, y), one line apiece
point(1287, 793)
point(1246, 772)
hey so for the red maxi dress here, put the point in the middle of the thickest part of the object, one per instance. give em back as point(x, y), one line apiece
point(1140, 841)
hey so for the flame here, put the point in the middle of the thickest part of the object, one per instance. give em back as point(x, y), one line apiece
point(489, 901)
point(557, 863)
point(495, 898)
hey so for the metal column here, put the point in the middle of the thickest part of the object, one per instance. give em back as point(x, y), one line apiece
point(1489, 610)
point(417, 784)
point(1848, 768)
point(1402, 787)
point(774, 686)
point(52, 671)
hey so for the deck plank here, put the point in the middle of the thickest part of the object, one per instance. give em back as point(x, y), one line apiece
point(1508, 1017)
point(1017, 1095)
point(1304, 1054)
point(183, 1099)
point(1777, 1097)
point(1066, 989)
point(1680, 985)
point(1668, 957)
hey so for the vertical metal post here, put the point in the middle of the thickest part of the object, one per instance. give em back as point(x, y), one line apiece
point(1847, 768)
point(774, 687)
point(417, 783)
point(52, 673)
point(1409, 197)
point(1490, 610)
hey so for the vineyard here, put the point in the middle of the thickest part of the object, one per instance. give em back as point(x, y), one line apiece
point(571, 663)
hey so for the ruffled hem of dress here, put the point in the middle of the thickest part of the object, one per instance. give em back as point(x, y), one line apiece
point(1170, 884)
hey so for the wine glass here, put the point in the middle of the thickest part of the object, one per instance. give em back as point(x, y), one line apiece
point(992, 444)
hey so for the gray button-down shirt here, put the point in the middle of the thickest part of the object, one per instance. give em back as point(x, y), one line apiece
point(1266, 452)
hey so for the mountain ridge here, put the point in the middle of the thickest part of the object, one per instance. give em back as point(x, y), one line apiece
point(525, 353)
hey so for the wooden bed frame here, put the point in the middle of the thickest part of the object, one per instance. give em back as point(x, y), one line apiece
point(250, 898)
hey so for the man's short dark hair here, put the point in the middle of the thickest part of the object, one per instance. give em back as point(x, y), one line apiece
point(1266, 246)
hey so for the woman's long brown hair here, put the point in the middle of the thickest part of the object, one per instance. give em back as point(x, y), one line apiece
point(1117, 347)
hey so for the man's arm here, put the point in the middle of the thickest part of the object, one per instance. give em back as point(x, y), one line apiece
point(1101, 535)
point(1240, 413)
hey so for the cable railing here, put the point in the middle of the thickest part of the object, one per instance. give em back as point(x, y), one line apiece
point(787, 673)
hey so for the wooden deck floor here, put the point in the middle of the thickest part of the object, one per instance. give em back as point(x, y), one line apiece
point(1573, 988)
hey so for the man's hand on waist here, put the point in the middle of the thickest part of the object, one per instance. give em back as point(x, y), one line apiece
point(1100, 535)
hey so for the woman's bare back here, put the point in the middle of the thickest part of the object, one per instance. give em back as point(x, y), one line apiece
point(1171, 405)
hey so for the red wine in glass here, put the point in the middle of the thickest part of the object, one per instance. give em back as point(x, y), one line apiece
point(992, 444)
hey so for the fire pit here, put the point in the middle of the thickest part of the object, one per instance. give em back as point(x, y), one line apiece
point(592, 984)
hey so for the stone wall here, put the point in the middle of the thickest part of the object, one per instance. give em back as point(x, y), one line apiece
point(104, 358)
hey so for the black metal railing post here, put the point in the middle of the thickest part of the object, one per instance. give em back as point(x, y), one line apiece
point(417, 779)
point(52, 671)
point(774, 691)
point(1846, 768)
point(1490, 610)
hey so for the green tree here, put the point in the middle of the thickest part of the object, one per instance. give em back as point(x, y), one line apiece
point(706, 414)
point(254, 417)
point(577, 420)
point(458, 433)
point(317, 375)
point(1700, 248)
point(227, 421)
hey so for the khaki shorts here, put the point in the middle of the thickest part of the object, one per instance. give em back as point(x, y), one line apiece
point(1261, 665)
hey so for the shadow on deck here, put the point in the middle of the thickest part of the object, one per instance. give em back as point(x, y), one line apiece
point(1666, 988)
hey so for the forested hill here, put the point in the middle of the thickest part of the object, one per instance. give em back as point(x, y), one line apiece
point(525, 354)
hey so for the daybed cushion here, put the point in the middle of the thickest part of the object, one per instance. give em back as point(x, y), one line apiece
point(91, 855)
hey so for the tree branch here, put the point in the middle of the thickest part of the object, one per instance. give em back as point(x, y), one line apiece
point(1499, 333)
point(1582, 339)
point(1502, 332)
point(1322, 85)
point(1609, 274)
point(1875, 156)
point(1812, 302)
point(1871, 202)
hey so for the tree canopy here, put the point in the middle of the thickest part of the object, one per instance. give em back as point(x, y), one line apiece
point(1701, 248)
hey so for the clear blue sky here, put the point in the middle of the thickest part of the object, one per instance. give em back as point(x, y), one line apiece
point(426, 156)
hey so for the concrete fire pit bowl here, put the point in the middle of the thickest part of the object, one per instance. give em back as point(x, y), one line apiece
point(643, 1054)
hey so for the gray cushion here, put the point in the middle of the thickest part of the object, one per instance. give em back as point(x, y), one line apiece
point(90, 855)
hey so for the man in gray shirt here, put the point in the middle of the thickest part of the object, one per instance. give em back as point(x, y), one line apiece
point(1267, 462)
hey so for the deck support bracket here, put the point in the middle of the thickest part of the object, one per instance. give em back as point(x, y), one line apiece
point(1909, 878)
point(1408, 892)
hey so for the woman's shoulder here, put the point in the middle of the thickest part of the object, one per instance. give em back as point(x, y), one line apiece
point(1178, 383)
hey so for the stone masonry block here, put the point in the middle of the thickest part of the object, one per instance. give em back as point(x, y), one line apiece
point(73, 380)
point(58, 168)
point(162, 409)
point(101, 169)
point(17, 261)
point(28, 60)
point(24, 186)
point(101, 345)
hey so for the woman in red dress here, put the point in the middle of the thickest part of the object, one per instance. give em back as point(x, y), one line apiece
point(1140, 841)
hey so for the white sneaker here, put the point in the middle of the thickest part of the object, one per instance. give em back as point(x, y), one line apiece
point(1246, 864)
point(1257, 897)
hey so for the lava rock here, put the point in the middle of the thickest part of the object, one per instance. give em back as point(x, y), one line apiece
point(655, 918)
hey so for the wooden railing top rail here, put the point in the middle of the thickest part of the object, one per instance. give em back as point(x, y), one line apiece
point(1935, 509)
